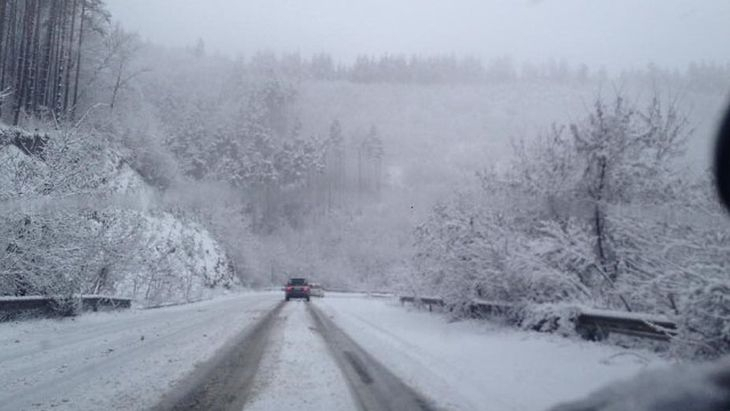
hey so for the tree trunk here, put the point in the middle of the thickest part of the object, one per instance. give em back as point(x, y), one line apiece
point(74, 102)
point(9, 54)
point(3, 13)
point(63, 61)
point(3, 47)
point(63, 65)
point(48, 54)
point(67, 86)
point(117, 85)
point(599, 222)
point(52, 60)
point(598, 219)
point(33, 83)
point(24, 56)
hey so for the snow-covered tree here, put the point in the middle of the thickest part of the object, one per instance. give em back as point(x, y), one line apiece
point(599, 215)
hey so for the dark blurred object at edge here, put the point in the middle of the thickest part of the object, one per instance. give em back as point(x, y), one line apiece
point(722, 160)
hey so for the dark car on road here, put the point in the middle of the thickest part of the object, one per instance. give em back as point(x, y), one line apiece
point(297, 288)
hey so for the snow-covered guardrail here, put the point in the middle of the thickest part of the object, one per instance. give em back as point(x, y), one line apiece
point(591, 324)
point(427, 301)
point(45, 306)
point(372, 293)
point(598, 324)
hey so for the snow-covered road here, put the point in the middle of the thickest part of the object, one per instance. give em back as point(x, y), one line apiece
point(478, 365)
point(121, 360)
point(297, 371)
point(330, 354)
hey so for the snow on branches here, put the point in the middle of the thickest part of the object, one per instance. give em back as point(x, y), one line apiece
point(78, 220)
point(592, 213)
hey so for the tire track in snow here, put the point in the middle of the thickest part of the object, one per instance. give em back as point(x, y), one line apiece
point(373, 386)
point(298, 371)
point(223, 382)
point(417, 357)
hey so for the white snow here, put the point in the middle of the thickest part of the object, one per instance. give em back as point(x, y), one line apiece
point(120, 360)
point(128, 360)
point(297, 371)
point(478, 365)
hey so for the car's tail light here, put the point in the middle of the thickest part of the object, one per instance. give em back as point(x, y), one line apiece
point(289, 288)
point(306, 289)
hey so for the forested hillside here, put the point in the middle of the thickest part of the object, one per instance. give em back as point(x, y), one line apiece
point(163, 173)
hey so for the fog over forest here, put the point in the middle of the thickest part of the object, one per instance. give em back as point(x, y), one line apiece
point(546, 153)
point(614, 34)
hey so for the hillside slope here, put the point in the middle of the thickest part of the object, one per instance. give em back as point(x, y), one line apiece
point(79, 219)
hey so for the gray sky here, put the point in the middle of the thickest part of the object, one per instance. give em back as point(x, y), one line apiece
point(611, 33)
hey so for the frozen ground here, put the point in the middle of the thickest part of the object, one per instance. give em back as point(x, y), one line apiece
point(121, 360)
point(475, 365)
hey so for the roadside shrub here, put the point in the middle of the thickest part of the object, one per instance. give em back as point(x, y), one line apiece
point(65, 306)
point(553, 318)
point(703, 326)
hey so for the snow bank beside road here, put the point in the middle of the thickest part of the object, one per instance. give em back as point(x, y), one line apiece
point(476, 365)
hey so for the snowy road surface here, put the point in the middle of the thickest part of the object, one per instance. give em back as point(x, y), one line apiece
point(297, 371)
point(121, 360)
point(253, 352)
point(477, 365)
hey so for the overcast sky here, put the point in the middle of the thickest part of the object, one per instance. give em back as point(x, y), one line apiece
point(610, 33)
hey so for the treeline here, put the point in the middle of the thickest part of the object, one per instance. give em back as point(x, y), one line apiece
point(701, 76)
point(417, 69)
point(41, 54)
point(450, 69)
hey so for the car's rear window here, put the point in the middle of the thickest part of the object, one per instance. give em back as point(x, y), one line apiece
point(297, 281)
